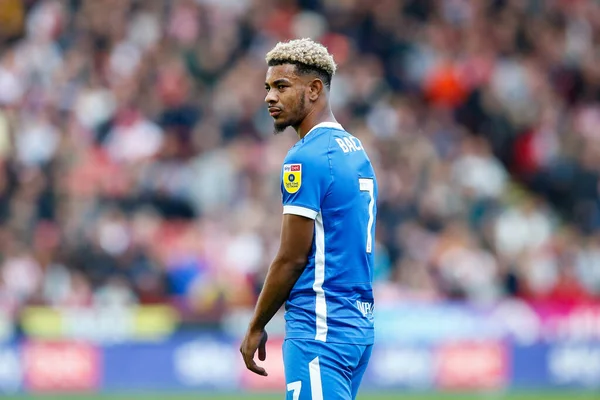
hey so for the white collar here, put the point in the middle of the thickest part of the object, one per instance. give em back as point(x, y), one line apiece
point(334, 125)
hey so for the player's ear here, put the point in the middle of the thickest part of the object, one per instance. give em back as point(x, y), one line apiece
point(315, 88)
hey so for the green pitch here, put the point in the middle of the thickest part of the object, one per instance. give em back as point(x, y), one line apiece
point(367, 396)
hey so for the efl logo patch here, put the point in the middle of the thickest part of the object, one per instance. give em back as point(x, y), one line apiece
point(292, 177)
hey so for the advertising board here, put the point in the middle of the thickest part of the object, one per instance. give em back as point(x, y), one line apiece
point(11, 370)
point(400, 366)
point(60, 366)
point(201, 361)
point(430, 347)
point(472, 365)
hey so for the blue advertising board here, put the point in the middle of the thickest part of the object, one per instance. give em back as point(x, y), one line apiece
point(211, 362)
point(418, 347)
point(185, 361)
point(11, 369)
point(399, 366)
point(556, 365)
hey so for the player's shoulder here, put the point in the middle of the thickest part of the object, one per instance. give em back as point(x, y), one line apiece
point(330, 130)
point(324, 138)
point(311, 150)
point(337, 139)
point(323, 133)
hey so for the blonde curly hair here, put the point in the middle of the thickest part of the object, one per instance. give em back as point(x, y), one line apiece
point(305, 54)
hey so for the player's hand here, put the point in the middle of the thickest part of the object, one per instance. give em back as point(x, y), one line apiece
point(252, 342)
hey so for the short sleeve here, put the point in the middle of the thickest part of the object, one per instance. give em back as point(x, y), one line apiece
point(304, 183)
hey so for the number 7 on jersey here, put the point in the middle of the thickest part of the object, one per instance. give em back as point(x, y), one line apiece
point(366, 185)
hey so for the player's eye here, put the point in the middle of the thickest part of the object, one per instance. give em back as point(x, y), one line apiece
point(280, 87)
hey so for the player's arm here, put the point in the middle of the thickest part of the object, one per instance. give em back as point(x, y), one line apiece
point(306, 178)
point(286, 268)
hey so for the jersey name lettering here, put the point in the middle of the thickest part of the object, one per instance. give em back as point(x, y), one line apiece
point(349, 145)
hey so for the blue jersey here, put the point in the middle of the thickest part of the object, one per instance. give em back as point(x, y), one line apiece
point(328, 177)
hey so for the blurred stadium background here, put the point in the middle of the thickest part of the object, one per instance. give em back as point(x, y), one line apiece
point(140, 204)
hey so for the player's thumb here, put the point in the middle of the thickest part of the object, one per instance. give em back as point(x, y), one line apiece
point(262, 348)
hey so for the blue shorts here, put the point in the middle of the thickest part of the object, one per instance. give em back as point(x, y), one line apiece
point(323, 371)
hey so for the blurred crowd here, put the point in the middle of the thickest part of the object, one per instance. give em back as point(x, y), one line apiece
point(138, 164)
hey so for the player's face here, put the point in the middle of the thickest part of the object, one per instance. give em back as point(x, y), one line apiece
point(286, 96)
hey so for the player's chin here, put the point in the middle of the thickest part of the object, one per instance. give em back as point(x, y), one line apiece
point(280, 126)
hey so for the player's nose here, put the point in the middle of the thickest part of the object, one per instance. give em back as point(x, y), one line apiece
point(271, 97)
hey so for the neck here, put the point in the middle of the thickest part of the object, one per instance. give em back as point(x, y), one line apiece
point(313, 118)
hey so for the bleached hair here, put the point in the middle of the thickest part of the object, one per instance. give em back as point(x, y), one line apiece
point(304, 51)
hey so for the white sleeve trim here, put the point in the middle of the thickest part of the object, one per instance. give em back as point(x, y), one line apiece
point(302, 211)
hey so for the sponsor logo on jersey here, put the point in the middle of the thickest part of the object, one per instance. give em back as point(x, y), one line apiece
point(366, 308)
point(292, 177)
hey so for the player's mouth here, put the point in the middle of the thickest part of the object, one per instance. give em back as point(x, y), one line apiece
point(274, 111)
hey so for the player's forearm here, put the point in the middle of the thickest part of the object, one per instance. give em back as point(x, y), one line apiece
point(280, 280)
